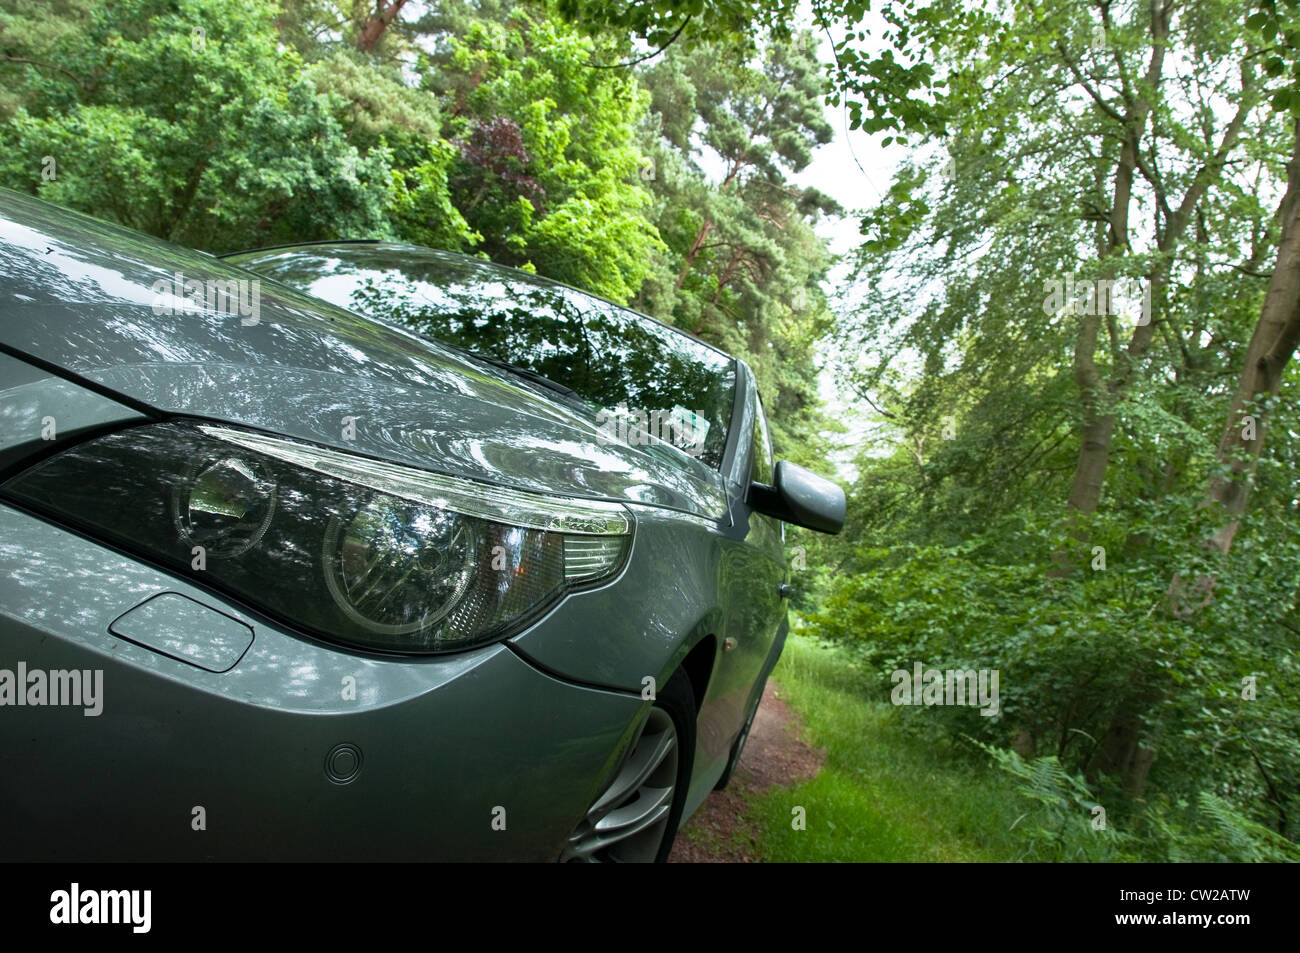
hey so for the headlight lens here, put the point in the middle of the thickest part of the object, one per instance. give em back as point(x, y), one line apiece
point(354, 550)
point(390, 548)
point(225, 505)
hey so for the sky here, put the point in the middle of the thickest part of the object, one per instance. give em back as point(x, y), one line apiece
point(855, 170)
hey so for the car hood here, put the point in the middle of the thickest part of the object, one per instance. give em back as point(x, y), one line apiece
point(101, 303)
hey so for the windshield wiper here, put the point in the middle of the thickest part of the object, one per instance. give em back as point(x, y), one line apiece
point(526, 373)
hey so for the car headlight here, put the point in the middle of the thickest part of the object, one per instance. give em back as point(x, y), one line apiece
point(354, 550)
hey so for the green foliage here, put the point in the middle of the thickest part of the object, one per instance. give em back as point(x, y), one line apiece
point(1213, 690)
point(659, 22)
point(1122, 640)
point(1062, 820)
point(422, 210)
point(547, 170)
point(187, 121)
point(1278, 22)
point(1241, 839)
point(895, 90)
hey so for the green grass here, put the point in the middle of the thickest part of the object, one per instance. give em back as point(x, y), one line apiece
point(886, 792)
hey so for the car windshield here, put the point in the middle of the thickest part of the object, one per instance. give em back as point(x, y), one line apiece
point(656, 384)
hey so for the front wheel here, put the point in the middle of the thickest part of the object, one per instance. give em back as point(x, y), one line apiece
point(635, 819)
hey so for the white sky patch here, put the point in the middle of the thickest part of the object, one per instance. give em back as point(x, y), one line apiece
point(855, 170)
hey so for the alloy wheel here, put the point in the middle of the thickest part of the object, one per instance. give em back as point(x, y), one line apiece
point(627, 823)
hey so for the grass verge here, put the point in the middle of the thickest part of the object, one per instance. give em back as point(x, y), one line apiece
point(887, 792)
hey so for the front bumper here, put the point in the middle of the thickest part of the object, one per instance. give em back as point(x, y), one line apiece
point(475, 756)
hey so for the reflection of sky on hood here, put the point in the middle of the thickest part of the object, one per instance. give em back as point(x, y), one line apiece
point(96, 282)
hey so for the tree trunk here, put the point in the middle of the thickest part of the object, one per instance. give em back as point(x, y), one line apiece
point(695, 250)
point(1098, 423)
point(374, 27)
point(1094, 457)
point(1271, 346)
point(1122, 753)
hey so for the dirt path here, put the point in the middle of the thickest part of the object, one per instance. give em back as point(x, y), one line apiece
point(774, 755)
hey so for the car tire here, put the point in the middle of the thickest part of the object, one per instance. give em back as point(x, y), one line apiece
point(678, 700)
point(636, 818)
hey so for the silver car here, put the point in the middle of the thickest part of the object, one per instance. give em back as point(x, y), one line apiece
point(471, 567)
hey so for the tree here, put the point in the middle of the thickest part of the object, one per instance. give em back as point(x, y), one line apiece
point(973, 352)
point(893, 91)
point(744, 264)
point(1278, 331)
point(185, 120)
point(379, 20)
point(547, 164)
point(1135, 137)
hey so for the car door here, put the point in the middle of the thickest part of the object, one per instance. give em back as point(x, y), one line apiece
point(752, 570)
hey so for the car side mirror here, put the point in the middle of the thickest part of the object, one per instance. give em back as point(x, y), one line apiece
point(801, 497)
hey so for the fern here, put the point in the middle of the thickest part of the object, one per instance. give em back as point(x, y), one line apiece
point(1245, 839)
point(1060, 822)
